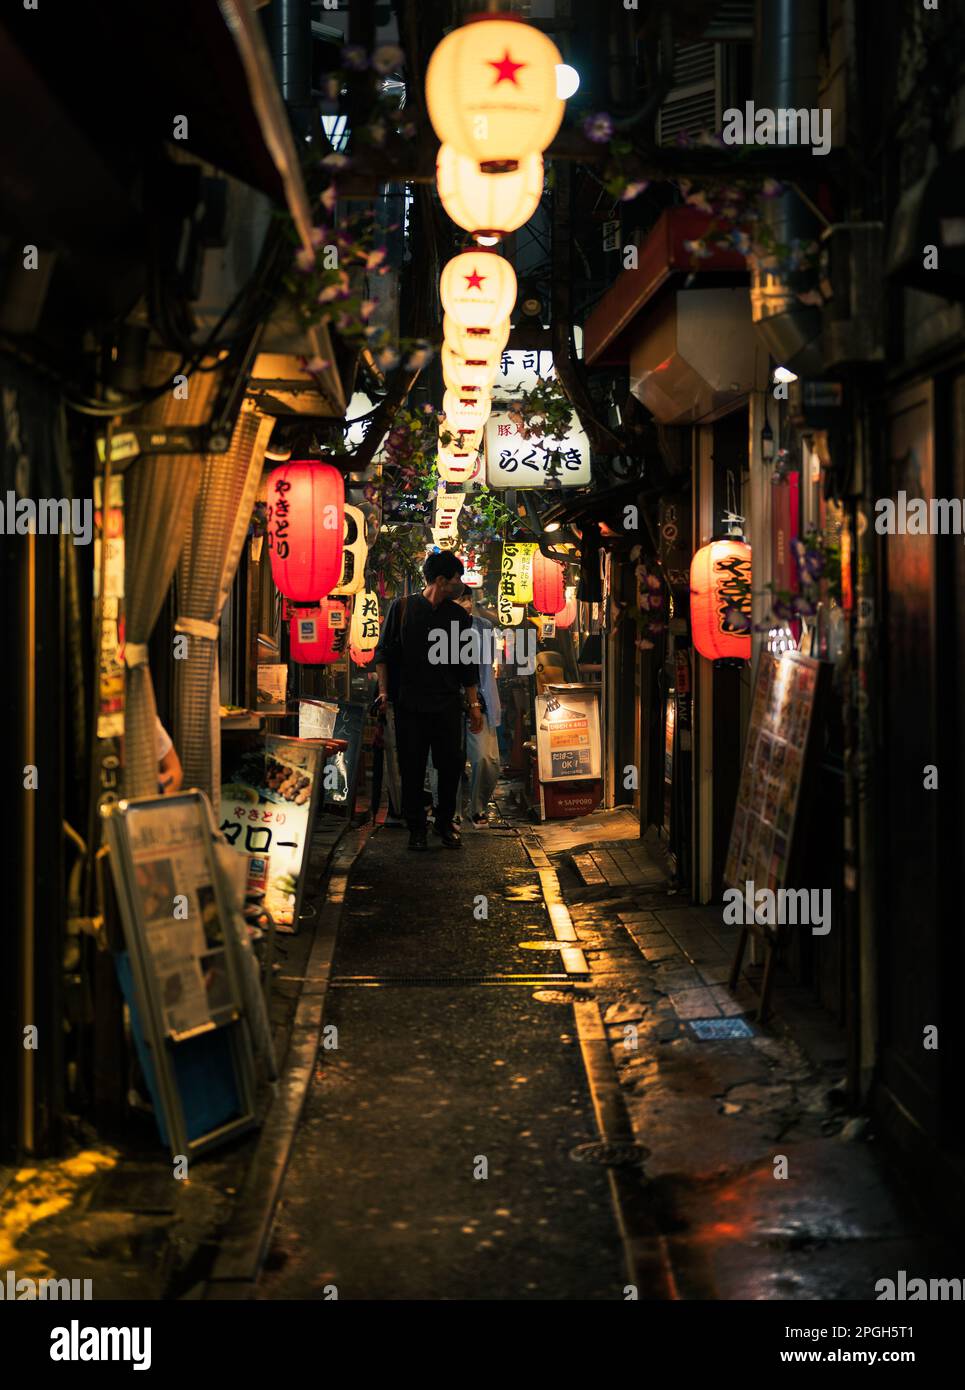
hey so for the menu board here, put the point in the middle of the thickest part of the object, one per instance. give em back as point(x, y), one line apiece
point(568, 733)
point(267, 808)
point(272, 686)
point(775, 757)
point(177, 905)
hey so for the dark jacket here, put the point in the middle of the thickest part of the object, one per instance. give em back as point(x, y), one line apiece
point(412, 632)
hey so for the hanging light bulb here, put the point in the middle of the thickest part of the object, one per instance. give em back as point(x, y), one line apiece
point(491, 91)
point(488, 205)
point(478, 289)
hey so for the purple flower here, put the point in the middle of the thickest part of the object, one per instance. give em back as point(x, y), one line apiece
point(387, 57)
point(354, 57)
point(598, 128)
point(736, 621)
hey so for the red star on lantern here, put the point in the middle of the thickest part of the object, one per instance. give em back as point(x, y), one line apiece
point(475, 281)
point(506, 69)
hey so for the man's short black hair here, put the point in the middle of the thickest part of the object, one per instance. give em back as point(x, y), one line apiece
point(442, 564)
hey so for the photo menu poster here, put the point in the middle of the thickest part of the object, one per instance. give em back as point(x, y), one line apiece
point(267, 807)
point(185, 941)
point(769, 797)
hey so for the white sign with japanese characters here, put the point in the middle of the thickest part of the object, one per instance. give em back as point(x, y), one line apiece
point(512, 461)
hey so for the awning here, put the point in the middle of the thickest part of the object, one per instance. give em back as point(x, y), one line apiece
point(662, 256)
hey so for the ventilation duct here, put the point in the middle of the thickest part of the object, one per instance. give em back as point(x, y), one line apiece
point(786, 77)
point(677, 368)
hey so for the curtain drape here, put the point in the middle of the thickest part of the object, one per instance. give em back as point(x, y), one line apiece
point(159, 494)
point(206, 568)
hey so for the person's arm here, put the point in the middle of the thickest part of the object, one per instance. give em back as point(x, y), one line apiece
point(469, 678)
point(387, 639)
point(170, 772)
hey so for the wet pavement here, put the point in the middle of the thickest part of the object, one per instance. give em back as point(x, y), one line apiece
point(435, 1156)
point(457, 1043)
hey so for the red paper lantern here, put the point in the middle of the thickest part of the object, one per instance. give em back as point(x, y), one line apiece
point(306, 517)
point(567, 617)
point(548, 594)
point(318, 635)
point(361, 658)
point(720, 581)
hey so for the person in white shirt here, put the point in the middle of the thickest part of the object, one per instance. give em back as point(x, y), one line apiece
point(170, 774)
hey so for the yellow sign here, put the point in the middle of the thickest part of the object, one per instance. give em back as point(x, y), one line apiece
point(516, 571)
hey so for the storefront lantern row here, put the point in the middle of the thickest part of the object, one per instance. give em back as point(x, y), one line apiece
point(364, 633)
point(488, 205)
point(306, 519)
point(466, 413)
point(491, 91)
point(478, 290)
point(516, 570)
point(317, 635)
point(458, 465)
point(354, 552)
point(720, 601)
point(549, 596)
point(474, 343)
point(469, 376)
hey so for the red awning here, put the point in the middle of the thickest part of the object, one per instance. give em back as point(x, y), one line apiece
point(662, 255)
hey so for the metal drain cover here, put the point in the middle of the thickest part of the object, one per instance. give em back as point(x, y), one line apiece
point(713, 1029)
point(620, 1153)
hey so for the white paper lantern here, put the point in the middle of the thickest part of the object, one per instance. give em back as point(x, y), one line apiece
point(488, 205)
point(478, 289)
point(491, 90)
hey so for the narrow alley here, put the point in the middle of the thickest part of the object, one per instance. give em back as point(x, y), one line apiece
point(483, 743)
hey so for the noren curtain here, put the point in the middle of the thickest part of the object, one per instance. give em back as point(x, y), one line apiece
point(206, 568)
point(159, 494)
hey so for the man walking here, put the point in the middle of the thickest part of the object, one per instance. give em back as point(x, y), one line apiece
point(422, 675)
point(482, 748)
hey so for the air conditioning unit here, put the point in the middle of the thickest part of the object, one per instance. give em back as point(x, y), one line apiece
point(853, 326)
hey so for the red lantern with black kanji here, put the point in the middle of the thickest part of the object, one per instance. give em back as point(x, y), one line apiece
point(306, 514)
point(318, 634)
point(720, 601)
point(548, 592)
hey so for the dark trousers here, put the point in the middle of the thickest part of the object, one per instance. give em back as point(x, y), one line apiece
point(416, 733)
